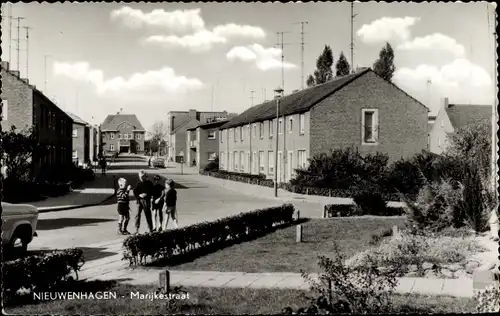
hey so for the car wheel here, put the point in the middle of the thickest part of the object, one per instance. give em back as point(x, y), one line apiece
point(19, 242)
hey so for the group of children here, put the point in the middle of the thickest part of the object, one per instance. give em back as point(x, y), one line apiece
point(151, 198)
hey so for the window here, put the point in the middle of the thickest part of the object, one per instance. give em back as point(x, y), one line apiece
point(442, 123)
point(230, 164)
point(236, 160)
point(125, 136)
point(75, 132)
point(301, 159)
point(280, 126)
point(49, 118)
point(211, 134)
point(221, 160)
point(270, 162)
point(235, 131)
point(120, 136)
point(75, 154)
point(369, 126)
point(212, 156)
point(242, 161)
point(5, 110)
point(290, 124)
point(271, 128)
point(138, 136)
point(130, 136)
point(254, 130)
point(261, 162)
point(241, 132)
point(302, 121)
point(111, 147)
point(261, 130)
point(221, 136)
point(112, 135)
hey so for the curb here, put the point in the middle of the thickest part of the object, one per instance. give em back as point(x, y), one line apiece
point(71, 207)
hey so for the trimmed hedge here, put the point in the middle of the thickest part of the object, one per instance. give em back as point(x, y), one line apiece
point(347, 210)
point(40, 273)
point(168, 244)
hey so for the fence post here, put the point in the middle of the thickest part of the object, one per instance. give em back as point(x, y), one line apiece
point(307, 191)
point(330, 192)
point(298, 238)
point(114, 183)
point(298, 214)
point(165, 281)
point(325, 212)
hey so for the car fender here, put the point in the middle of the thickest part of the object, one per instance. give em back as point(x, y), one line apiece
point(11, 223)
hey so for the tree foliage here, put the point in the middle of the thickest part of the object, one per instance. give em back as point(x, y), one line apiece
point(342, 66)
point(17, 151)
point(384, 65)
point(323, 72)
point(159, 133)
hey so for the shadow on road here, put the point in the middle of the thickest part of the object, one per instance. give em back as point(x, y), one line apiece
point(58, 223)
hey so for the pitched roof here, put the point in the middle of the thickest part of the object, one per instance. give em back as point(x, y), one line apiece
point(465, 114)
point(77, 119)
point(181, 125)
point(209, 125)
point(112, 121)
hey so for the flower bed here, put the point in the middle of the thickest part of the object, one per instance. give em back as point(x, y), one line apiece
point(346, 210)
point(40, 272)
point(209, 235)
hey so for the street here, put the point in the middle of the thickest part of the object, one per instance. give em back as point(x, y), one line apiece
point(82, 227)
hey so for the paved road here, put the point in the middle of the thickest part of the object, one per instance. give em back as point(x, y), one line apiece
point(85, 226)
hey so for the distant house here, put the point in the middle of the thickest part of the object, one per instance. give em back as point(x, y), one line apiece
point(450, 118)
point(432, 120)
point(24, 106)
point(179, 121)
point(360, 110)
point(122, 133)
point(203, 143)
point(81, 140)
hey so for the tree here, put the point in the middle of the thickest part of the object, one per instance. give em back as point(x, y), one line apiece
point(384, 65)
point(158, 134)
point(342, 67)
point(323, 72)
point(17, 151)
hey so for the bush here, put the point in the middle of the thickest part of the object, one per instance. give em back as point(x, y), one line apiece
point(40, 273)
point(347, 289)
point(488, 300)
point(16, 191)
point(474, 202)
point(346, 210)
point(208, 235)
point(212, 165)
point(371, 202)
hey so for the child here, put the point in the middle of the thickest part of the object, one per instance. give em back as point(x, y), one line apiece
point(170, 206)
point(157, 205)
point(122, 196)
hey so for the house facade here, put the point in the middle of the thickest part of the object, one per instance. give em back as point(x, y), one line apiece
point(360, 110)
point(122, 133)
point(203, 142)
point(81, 140)
point(179, 122)
point(451, 117)
point(24, 106)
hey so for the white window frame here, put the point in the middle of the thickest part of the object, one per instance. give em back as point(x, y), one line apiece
point(290, 124)
point(271, 128)
point(270, 162)
point(262, 165)
point(112, 136)
point(374, 139)
point(5, 110)
point(221, 160)
point(254, 130)
point(75, 154)
point(211, 134)
point(235, 131)
point(261, 130)
point(120, 136)
point(301, 164)
point(112, 147)
point(280, 126)
point(236, 161)
point(75, 133)
point(241, 133)
point(211, 156)
point(125, 136)
point(230, 163)
point(302, 123)
point(221, 136)
point(138, 136)
point(242, 161)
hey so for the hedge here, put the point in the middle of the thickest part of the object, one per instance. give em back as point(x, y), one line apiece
point(262, 181)
point(347, 210)
point(217, 234)
point(40, 273)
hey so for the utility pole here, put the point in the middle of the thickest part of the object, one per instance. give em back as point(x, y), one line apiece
point(27, 28)
point(45, 71)
point(302, 43)
point(352, 37)
point(252, 96)
point(18, 38)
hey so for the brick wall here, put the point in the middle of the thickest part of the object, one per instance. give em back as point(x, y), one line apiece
point(79, 143)
point(336, 122)
point(113, 141)
point(206, 146)
point(19, 98)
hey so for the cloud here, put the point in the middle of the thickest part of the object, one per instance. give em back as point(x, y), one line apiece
point(436, 41)
point(198, 42)
point(264, 58)
point(164, 79)
point(460, 80)
point(234, 30)
point(386, 29)
point(177, 21)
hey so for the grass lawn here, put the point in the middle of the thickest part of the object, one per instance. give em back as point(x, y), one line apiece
point(218, 301)
point(278, 251)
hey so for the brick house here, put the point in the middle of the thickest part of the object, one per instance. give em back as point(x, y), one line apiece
point(179, 121)
point(122, 133)
point(360, 110)
point(451, 117)
point(24, 106)
point(203, 143)
point(81, 140)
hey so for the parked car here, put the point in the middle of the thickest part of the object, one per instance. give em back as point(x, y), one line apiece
point(18, 226)
point(158, 162)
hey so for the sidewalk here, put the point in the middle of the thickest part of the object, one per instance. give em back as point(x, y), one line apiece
point(92, 193)
point(114, 268)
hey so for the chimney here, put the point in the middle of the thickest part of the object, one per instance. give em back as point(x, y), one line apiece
point(192, 114)
point(5, 64)
point(15, 73)
point(172, 119)
point(26, 80)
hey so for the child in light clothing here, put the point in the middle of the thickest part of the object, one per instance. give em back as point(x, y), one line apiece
point(122, 195)
point(170, 205)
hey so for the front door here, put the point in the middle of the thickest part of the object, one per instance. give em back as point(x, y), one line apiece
point(254, 164)
point(280, 164)
point(290, 165)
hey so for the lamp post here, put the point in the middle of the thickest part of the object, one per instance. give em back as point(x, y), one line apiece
point(278, 93)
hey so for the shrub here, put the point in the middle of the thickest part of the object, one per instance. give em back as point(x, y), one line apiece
point(370, 202)
point(207, 235)
point(40, 272)
point(346, 289)
point(474, 202)
point(212, 165)
point(346, 210)
point(488, 300)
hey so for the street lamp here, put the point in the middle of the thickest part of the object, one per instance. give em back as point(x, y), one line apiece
point(278, 93)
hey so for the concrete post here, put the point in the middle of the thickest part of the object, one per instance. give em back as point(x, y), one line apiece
point(165, 281)
point(299, 234)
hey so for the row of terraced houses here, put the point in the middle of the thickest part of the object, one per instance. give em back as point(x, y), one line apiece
point(360, 110)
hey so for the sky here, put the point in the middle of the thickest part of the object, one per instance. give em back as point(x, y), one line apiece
point(149, 59)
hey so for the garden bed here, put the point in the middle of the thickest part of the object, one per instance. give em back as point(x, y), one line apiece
point(217, 301)
point(279, 252)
